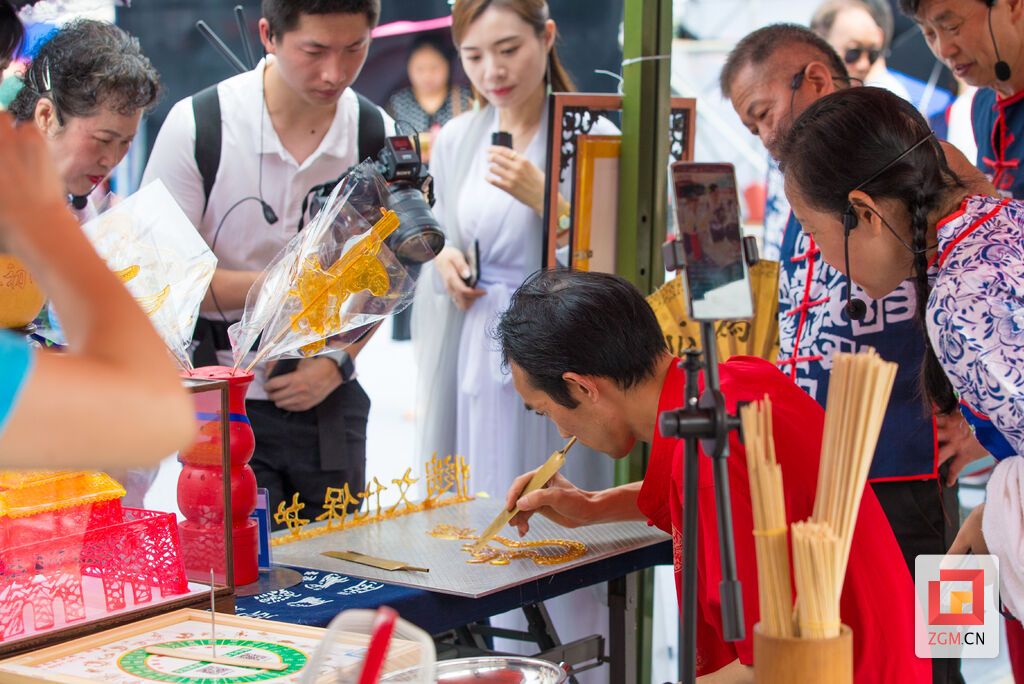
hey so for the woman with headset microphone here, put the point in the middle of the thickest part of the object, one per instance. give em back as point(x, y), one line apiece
point(86, 90)
point(117, 362)
point(882, 204)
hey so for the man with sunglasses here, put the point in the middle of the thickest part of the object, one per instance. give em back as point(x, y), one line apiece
point(860, 32)
point(771, 77)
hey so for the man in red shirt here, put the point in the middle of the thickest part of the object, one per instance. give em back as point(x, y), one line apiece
point(585, 350)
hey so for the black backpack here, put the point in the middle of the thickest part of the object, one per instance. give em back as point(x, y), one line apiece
point(206, 109)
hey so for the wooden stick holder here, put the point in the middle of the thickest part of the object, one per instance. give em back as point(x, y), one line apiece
point(784, 660)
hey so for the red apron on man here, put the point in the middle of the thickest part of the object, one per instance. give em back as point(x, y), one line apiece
point(878, 600)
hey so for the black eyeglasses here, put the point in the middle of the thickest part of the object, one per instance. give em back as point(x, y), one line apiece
point(852, 55)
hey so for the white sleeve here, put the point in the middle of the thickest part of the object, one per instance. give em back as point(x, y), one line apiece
point(979, 349)
point(444, 194)
point(173, 161)
point(1003, 529)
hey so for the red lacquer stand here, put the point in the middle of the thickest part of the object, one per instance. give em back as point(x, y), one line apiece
point(200, 485)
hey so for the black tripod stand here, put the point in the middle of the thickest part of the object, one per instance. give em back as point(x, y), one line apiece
point(704, 420)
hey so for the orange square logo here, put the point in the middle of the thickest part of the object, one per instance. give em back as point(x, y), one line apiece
point(965, 607)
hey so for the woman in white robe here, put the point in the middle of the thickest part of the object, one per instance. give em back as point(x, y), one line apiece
point(491, 197)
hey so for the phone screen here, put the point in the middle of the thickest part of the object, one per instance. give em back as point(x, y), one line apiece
point(708, 218)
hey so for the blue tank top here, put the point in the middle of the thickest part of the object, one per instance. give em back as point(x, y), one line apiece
point(813, 326)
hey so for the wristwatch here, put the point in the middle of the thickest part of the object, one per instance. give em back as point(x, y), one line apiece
point(346, 366)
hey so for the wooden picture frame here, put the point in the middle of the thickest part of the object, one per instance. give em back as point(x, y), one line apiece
point(592, 244)
point(41, 665)
point(571, 115)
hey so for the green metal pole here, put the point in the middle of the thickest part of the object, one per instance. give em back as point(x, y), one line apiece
point(642, 213)
point(644, 157)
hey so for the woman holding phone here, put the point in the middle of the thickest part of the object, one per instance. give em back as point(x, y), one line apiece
point(490, 200)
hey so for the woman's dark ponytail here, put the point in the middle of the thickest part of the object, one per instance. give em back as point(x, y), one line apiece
point(935, 386)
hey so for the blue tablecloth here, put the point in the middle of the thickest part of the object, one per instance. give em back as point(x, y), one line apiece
point(322, 595)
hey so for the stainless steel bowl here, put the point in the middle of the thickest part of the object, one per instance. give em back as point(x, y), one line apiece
point(494, 670)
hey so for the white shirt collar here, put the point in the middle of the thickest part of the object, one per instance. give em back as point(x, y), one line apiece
point(334, 141)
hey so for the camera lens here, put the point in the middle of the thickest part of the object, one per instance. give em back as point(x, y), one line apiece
point(418, 238)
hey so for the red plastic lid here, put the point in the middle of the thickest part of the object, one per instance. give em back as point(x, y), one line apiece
point(232, 375)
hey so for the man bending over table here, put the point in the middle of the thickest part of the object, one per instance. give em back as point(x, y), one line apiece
point(585, 350)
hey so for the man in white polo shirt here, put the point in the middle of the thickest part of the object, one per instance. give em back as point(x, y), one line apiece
point(288, 125)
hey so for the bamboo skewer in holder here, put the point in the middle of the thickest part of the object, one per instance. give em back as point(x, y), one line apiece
point(823, 652)
point(814, 560)
point(775, 594)
point(787, 660)
point(858, 394)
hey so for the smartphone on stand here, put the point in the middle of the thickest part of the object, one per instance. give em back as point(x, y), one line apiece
point(708, 218)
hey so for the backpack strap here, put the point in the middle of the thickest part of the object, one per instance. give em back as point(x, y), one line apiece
point(371, 129)
point(206, 110)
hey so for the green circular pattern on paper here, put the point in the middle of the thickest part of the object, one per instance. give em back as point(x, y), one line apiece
point(136, 662)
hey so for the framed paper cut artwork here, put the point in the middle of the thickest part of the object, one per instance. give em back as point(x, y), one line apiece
point(248, 650)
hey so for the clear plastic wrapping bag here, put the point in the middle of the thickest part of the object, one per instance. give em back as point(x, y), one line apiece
point(333, 280)
point(165, 264)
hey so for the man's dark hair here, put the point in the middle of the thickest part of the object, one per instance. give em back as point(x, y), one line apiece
point(86, 65)
point(12, 33)
point(910, 7)
point(588, 323)
point(758, 47)
point(283, 15)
